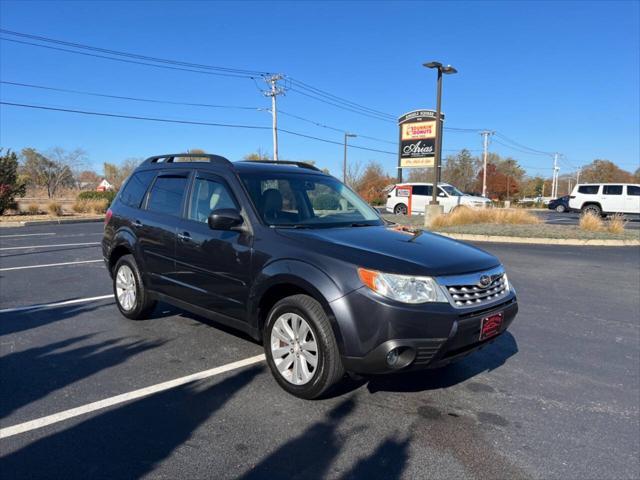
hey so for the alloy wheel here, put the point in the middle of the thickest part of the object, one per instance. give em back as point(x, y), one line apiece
point(294, 348)
point(126, 288)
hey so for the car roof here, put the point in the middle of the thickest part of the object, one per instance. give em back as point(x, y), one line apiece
point(244, 166)
point(607, 183)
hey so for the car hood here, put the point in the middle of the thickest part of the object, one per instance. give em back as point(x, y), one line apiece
point(393, 250)
point(474, 199)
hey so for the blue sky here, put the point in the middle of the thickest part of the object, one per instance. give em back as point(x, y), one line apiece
point(553, 76)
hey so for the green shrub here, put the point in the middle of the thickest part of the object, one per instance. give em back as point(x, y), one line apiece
point(326, 202)
point(107, 195)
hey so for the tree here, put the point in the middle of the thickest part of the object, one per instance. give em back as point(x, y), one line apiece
point(372, 183)
point(460, 170)
point(88, 179)
point(636, 175)
point(46, 172)
point(604, 171)
point(532, 187)
point(258, 155)
point(354, 174)
point(117, 174)
point(10, 185)
point(424, 175)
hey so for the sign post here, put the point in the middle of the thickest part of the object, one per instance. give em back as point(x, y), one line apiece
point(418, 140)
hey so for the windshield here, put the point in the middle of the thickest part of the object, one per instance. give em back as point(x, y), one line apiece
point(307, 201)
point(453, 191)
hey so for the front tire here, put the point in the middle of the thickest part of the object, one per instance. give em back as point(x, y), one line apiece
point(400, 209)
point(301, 348)
point(131, 297)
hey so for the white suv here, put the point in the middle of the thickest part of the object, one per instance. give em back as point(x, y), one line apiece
point(420, 195)
point(603, 198)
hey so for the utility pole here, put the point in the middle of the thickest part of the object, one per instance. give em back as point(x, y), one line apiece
point(485, 140)
point(556, 169)
point(578, 175)
point(275, 90)
point(344, 163)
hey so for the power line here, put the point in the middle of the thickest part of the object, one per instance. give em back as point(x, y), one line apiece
point(523, 147)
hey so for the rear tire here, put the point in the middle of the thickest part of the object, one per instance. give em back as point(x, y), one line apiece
point(593, 209)
point(561, 209)
point(284, 347)
point(131, 297)
point(400, 209)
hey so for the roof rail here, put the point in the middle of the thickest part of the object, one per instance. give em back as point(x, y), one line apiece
point(171, 158)
point(287, 162)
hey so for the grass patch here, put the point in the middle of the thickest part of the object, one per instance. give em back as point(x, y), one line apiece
point(473, 216)
point(541, 231)
point(54, 209)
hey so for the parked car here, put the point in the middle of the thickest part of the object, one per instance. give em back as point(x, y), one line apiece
point(560, 204)
point(421, 193)
point(604, 198)
point(297, 260)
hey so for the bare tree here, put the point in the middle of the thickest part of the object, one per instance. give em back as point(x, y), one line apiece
point(51, 173)
point(117, 174)
point(354, 174)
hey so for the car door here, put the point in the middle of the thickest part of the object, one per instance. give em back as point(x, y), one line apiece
point(612, 198)
point(156, 231)
point(632, 199)
point(213, 266)
point(444, 199)
point(419, 198)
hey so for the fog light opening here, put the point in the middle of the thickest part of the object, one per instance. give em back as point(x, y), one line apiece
point(392, 357)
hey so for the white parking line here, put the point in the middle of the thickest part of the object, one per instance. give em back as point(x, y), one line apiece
point(49, 265)
point(50, 246)
point(125, 397)
point(56, 304)
point(25, 235)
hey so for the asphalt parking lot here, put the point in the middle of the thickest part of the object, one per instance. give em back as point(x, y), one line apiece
point(556, 397)
point(573, 218)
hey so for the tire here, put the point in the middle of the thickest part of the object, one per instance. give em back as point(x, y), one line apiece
point(593, 209)
point(328, 369)
point(126, 277)
point(561, 209)
point(400, 209)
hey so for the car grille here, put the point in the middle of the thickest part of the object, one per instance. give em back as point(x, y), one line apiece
point(476, 295)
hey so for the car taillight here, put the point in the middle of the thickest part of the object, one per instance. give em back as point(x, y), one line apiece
point(108, 216)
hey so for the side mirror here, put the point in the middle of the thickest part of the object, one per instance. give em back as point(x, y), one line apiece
point(442, 194)
point(224, 219)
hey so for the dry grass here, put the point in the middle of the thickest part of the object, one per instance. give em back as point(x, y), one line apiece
point(91, 206)
point(33, 209)
point(616, 224)
point(590, 222)
point(496, 216)
point(54, 209)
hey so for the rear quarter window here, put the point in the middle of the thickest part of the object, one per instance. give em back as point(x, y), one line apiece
point(136, 187)
point(633, 190)
point(589, 189)
point(166, 195)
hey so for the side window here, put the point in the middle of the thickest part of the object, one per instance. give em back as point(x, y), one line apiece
point(136, 187)
point(589, 189)
point(612, 190)
point(166, 194)
point(209, 195)
point(419, 190)
point(633, 190)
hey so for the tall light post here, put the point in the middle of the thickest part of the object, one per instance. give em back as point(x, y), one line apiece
point(344, 163)
point(446, 70)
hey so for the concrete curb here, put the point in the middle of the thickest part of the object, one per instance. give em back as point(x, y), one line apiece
point(542, 241)
point(51, 222)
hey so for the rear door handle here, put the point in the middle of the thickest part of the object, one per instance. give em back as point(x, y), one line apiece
point(137, 223)
point(185, 237)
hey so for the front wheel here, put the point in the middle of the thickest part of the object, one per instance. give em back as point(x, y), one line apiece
point(400, 209)
point(301, 348)
point(131, 297)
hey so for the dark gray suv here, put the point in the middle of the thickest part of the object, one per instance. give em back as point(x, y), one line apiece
point(297, 260)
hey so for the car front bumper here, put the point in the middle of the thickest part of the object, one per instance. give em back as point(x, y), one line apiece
point(425, 336)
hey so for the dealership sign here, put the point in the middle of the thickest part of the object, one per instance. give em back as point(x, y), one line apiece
point(418, 138)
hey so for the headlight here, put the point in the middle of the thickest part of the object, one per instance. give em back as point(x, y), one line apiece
point(507, 285)
point(403, 288)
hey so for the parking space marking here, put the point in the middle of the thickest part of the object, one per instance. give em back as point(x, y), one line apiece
point(25, 235)
point(55, 304)
point(125, 397)
point(49, 265)
point(51, 246)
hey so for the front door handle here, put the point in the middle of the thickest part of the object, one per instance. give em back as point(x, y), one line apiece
point(185, 237)
point(137, 223)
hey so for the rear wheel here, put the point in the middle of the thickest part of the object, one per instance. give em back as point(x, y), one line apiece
point(400, 209)
point(131, 297)
point(561, 209)
point(301, 348)
point(592, 209)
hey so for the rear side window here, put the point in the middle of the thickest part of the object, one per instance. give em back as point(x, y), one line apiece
point(136, 187)
point(421, 190)
point(633, 190)
point(166, 194)
point(209, 195)
point(589, 189)
point(612, 190)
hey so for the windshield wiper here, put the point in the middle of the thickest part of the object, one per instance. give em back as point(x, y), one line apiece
point(286, 225)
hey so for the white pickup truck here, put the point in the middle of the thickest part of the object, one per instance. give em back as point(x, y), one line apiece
point(604, 198)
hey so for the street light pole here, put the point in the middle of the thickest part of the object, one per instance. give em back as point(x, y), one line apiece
point(344, 162)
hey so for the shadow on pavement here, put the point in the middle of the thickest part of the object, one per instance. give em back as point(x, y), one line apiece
point(34, 373)
point(489, 358)
point(128, 442)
